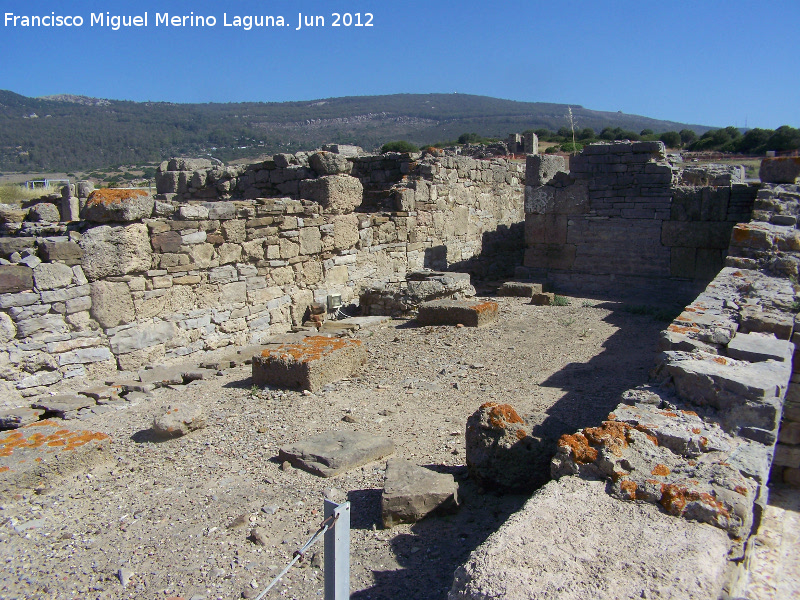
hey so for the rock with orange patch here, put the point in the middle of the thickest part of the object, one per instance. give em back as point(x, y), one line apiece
point(506, 452)
point(470, 313)
point(44, 451)
point(178, 420)
point(309, 363)
point(117, 206)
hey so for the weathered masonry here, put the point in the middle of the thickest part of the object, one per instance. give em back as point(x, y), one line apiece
point(233, 255)
point(623, 218)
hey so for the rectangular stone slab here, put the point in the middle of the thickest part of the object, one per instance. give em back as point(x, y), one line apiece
point(470, 313)
point(334, 452)
point(520, 288)
point(758, 348)
point(61, 405)
point(41, 452)
point(410, 493)
point(309, 363)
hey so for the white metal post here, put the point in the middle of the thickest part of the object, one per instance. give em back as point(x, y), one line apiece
point(337, 552)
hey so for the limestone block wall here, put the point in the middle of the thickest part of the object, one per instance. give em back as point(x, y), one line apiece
point(142, 280)
point(623, 216)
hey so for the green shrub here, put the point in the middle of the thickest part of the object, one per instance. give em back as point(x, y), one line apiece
point(571, 147)
point(560, 301)
point(399, 146)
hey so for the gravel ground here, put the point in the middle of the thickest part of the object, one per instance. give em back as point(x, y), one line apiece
point(176, 515)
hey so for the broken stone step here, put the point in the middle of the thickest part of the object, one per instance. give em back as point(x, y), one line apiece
point(334, 452)
point(470, 313)
point(45, 451)
point(63, 405)
point(19, 417)
point(310, 363)
point(410, 493)
point(755, 347)
point(521, 289)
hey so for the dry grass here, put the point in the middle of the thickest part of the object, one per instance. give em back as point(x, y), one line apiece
point(16, 194)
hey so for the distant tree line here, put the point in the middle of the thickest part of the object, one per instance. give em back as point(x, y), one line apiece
point(728, 139)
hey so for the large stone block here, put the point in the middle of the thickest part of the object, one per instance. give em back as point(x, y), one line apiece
point(142, 336)
point(779, 170)
point(328, 163)
point(410, 493)
point(69, 252)
point(470, 313)
point(662, 557)
point(117, 205)
point(338, 194)
point(45, 451)
point(696, 234)
point(113, 251)
point(112, 303)
point(310, 363)
point(15, 278)
point(541, 168)
point(51, 276)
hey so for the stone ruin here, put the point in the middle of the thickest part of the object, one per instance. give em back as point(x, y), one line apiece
point(231, 256)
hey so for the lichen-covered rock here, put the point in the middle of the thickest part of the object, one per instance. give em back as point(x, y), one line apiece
point(179, 420)
point(117, 206)
point(114, 251)
point(501, 452)
point(112, 303)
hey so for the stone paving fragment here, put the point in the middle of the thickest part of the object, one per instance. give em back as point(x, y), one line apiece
point(756, 347)
point(309, 363)
point(410, 492)
point(162, 376)
point(470, 313)
point(178, 420)
point(43, 451)
point(18, 417)
point(64, 405)
point(334, 452)
point(520, 288)
point(543, 298)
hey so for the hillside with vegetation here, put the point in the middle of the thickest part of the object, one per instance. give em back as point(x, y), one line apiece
point(69, 133)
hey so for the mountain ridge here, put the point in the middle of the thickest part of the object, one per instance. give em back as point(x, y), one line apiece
point(69, 132)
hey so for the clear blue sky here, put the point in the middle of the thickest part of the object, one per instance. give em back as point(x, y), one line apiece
point(706, 62)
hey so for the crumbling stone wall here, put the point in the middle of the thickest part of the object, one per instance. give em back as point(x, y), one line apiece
point(623, 217)
point(143, 279)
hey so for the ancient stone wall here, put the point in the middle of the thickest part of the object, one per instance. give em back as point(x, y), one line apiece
point(623, 217)
point(214, 263)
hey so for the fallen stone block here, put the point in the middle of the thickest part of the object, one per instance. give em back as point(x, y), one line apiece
point(162, 376)
point(331, 453)
point(503, 454)
point(549, 549)
point(41, 452)
point(19, 417)
point(756, 347)
point(543, 298)
point(519, 288)
point(178, 420)
point(470, 313)
point(63, 406)
point(309, 363)
point(410, 493)
point(764, 321)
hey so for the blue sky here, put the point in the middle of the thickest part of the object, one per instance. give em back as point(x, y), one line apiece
point(705, 62)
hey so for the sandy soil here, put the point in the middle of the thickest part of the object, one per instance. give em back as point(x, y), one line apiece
point(177, 514)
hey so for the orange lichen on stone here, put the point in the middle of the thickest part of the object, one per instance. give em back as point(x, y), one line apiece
point(668, 413)
point(740, 489)
point(675, 497)
point(629, 489)
point(720, 360)
point(311, 348)
point(107, 196)
point(660, 470)
point(4, 469)
point(521, 434)
point(62, 438)
point(582, 452)
point(611, 434)
point(646, 430)
point(485, 307)
point(612, 417)
point(682, 329)
point(696, 430)
point(691, 413)
point(502, 415)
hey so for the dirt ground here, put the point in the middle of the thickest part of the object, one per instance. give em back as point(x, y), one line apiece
point(176, 515)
